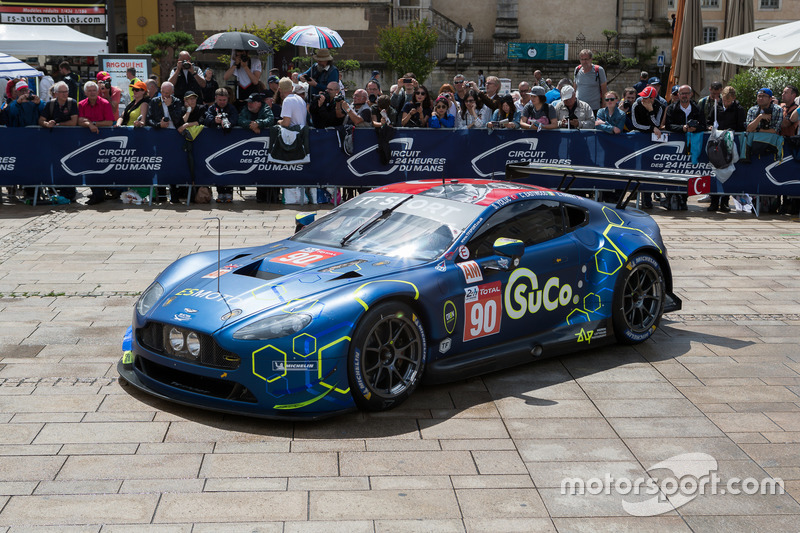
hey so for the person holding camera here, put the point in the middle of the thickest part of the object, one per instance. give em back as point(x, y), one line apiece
point(326, 108)
point(417, 112)
point(222, 116)
point(404, 92)
point(165, 110)
point(359, 114)
point(109, 92)
point(24, 107)
point(247, 72)
point(320, 74)
point(186, 76)
point(765, 116)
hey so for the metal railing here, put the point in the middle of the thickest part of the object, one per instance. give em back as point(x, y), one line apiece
point(488, 50)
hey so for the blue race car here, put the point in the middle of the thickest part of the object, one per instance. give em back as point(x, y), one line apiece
point(421, 280)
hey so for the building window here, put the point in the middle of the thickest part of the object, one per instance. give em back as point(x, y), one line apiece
point(670, 4)
point(709, 34)
point(709, 4)
point(769, 4)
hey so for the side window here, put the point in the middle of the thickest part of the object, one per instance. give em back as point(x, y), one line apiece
point(574, 217)
point(531, 221)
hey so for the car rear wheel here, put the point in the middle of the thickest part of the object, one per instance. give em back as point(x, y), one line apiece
point(387, 356)
point(639, 295)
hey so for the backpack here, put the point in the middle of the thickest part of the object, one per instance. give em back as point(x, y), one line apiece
point(719, 149)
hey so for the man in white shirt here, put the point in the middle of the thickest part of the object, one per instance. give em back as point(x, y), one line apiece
point(293, 108)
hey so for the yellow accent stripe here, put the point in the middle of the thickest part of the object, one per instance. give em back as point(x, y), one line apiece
point(319, 353)
point(303, 404)
point(366, 307)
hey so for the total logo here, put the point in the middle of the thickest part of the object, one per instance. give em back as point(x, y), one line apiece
point(523, 295)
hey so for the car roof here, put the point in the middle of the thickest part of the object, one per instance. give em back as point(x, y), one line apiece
point(470, 191)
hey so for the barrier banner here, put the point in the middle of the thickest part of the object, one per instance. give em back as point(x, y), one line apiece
point(144, 157)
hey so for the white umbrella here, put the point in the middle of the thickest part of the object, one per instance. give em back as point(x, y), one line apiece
point(11, 67)
point(313, 37)
point(778, 46)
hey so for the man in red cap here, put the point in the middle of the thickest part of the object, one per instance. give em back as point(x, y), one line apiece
point(109, 92)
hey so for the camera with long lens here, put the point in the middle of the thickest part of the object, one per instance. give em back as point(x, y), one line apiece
point(226, 123)
point(338, 98)
point(186, 65)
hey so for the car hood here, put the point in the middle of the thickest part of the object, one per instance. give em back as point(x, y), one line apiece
point(279, 274)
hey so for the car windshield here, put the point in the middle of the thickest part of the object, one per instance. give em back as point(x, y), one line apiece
point(398, 225)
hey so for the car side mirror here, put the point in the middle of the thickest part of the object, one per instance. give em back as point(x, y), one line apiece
point(302, 220)
point(511, 248)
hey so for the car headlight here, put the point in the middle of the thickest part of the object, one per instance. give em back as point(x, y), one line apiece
point(176, 340)
point(273, 327)
point(193, 343)
point(149, 298)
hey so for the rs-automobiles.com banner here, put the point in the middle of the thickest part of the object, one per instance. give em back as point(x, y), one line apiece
point(143, 157)
point(52, 12)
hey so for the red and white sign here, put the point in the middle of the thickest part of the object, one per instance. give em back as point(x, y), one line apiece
point(699, 185)
point(305, 257)
point(482, 310)
point(471, 270)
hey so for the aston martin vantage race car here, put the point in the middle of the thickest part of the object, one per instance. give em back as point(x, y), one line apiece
point(426, 280)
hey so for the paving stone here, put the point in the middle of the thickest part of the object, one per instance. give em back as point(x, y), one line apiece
point(501, 503)
point(499, 462)
point(349, 526)
point(157, 486)
point(383, 505)
point(462, 428)
point(80, 509)
point(689, 426)
point(412, 481)
point(418, 526)
point(32, 468)
point(401, 463)
point(93, 486)
point(270, 465)
point(552, 474)
point(623, 524)
point(80, 467)
point(549, 450)
point(67, 403)
point(106, 432)
point(231, 507)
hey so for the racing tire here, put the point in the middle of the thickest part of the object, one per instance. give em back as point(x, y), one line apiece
point(387, 357)
point(639, 295)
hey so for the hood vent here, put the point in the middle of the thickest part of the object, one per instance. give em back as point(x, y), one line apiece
point(347, 275)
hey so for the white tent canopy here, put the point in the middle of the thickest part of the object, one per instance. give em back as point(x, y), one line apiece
point(778, 46)
point(23, 39)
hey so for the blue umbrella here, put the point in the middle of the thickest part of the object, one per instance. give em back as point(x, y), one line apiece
point(11, 67)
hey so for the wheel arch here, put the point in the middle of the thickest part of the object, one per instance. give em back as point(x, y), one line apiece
point(662, 261)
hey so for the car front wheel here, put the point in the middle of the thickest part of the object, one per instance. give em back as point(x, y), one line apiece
point(387, 356)
point(639, 295)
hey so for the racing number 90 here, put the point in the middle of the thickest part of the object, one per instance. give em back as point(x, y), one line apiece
point(482, 306)
point(300, 258)
point(483, 318)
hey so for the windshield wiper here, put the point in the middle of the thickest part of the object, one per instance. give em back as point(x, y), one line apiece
point(383, 215)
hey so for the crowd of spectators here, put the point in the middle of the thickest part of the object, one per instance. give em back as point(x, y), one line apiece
point(192, 98)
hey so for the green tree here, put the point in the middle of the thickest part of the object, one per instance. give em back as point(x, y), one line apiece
point(749, 81)
point(165, 47)
point(408, 49)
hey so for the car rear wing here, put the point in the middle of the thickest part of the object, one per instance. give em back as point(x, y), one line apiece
point(625, 178)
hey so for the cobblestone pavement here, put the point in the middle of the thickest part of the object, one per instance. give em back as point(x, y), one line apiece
point(79, 452)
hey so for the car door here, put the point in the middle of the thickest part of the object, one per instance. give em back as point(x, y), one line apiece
point(501, 301)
